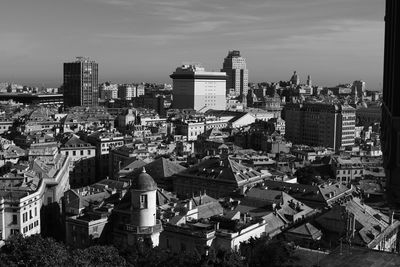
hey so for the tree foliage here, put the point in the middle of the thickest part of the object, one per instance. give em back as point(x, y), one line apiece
point(38, 251)
point(33, 251)
point(97, 256)
point(308, 175)
point(268, 253)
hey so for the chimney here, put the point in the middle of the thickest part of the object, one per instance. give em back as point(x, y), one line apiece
point(190, 204)
point(200, 199)
point(391, 217)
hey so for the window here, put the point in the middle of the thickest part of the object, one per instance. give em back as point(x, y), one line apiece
point(74, 153)
point(95, 229)
point(35, 211)
point(88, 152)
point(14, 219)
point(14, 231)
point(143, 201)
point(81, 152)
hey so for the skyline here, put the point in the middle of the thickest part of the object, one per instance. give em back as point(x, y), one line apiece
point(335, 41)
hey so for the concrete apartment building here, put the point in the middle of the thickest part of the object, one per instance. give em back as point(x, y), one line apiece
point(320, 124)
point(195, 88)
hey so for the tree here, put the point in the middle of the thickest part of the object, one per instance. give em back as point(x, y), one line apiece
point(33, 251)
point(268, 253)
point(308, 175)
point(97, 256)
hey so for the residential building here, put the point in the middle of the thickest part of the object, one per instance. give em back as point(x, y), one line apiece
point(83, 160)
point(347, 170)
point(20, 204)
point(104, 142)
point(88, 210)
point(81, 83)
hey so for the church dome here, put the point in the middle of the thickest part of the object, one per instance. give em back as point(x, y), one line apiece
point(144, 182)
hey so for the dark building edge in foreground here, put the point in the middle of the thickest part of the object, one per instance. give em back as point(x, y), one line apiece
point(391, 102)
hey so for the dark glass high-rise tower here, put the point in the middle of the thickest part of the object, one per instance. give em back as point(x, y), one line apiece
point(81, 86)
point(390, 125)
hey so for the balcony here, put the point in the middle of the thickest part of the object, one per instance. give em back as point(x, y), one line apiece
point(142, 229)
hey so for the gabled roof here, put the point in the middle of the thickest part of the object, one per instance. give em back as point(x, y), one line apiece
point(307, 230)
point(223, 169)
point(159, 169)
point(74, 141)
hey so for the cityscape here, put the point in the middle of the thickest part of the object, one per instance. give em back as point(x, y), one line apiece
point(206, 166)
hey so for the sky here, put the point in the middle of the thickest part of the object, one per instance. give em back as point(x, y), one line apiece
point(334, 41)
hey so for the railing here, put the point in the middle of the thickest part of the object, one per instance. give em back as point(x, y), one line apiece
point(142, 229)
point(190, 231)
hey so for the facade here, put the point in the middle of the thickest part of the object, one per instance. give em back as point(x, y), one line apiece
point(20, 208)
point(195, 88)
point(126, 91)
point(104, 143)
point(83, 161)
point(237, 73)
point(346, 170)
point(320, 124)
point(359, 88)
point(390, 108)
point(81, 86)
point(23, 195)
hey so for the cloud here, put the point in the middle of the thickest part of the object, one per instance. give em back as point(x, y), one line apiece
point(122, 3)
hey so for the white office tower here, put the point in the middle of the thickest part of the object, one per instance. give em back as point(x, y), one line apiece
point(195, 88)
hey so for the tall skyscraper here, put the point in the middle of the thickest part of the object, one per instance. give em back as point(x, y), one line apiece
point(81, 86)
point(390, 125)
point(359, 88)
point(309, 81)
point(237, 73)
point(195, 88)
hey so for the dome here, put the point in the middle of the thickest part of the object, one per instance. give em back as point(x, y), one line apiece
point(144, 182)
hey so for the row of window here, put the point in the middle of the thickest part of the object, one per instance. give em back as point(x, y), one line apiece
point(25, 216)
point(349, 171)
point(89, 152)
point(30, 227)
